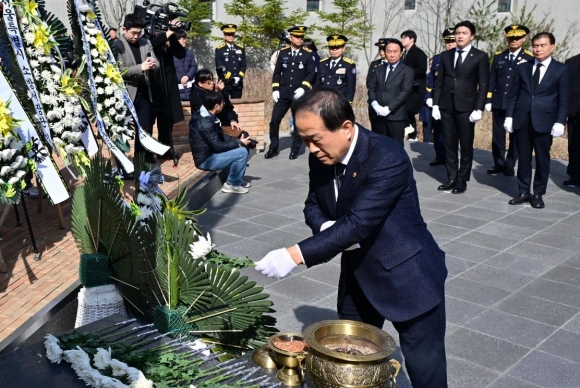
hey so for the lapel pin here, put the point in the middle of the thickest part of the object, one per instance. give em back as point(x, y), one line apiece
point(470, 55)
point(354, 174)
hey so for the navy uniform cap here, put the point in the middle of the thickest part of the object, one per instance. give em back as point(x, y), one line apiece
point(298, 30)
point(449, 34)
point(229, 28)
point(516, 31)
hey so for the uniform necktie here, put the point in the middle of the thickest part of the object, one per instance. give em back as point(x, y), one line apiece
point(332, 64)
point(293, 55)
point(536, 80)
point(511, 59)
point(339, 168)
point(459, 60)
point(389, 71)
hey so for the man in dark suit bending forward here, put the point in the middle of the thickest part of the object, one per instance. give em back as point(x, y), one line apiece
point(363, 202)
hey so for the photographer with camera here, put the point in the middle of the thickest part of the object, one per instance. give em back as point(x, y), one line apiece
point(204, 83)
point(136, 61)
point(232, 57)
point(213, 150)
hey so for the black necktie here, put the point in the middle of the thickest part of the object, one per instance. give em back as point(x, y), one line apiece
point(293, 55)
point(511, 59)
point(404, 55)
point(332, 64)
point(459, 60)
point(389, 71)
point(536, 80)
point(339, 168)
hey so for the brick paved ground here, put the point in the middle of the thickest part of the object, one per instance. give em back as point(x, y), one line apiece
point(29, 285)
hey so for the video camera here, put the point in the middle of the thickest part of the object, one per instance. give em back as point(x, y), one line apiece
point(252, 144)
point(221, 72)
point(161, 15)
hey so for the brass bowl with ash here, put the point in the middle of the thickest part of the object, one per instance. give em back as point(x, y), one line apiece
point(289, 350)
point(346, 354)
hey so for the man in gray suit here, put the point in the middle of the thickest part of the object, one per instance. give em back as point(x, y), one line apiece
point(136, 59)
point(389, 85)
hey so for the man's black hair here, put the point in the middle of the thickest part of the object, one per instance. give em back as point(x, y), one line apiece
point(180, 34)
point(203, 75)
point(113, 29)
point(332, 107)
point(211, 99)
point(410, 34)
point(133, 20)
point(468, 24)
point(392, 40)
point(309, 44)
point(544, 34)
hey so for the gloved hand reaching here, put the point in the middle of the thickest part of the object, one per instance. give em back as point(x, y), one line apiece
point(276, 264)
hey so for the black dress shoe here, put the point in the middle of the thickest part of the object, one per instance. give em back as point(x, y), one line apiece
point(509, 172)
point(293, 155)
point(271, 153)
point(537, 202)
point(572, 182)
point(436, 163)
point(450, 184)
point(459, 188)
point(520, 199)
point(496, 170)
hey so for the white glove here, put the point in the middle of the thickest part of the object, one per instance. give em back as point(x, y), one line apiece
point(275, 95)
point(558, 130)
point(386, 110)
point(276, 264)
point(429, 102)
point(328, 224)
point(475, 116)
point(508, 125)
point(236, 80)
point(488, 107)
point(375, 105)
point(435, 114)
point(298, 93)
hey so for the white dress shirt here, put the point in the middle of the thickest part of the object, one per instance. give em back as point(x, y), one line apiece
point(463, 54)
point(546, 62)
point(345, 159)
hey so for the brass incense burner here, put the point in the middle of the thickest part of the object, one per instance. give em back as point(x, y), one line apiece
point(350, 354)
point(264, 358)
point(292, 363)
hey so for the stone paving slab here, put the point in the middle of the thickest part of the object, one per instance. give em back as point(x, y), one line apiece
point(513, 292)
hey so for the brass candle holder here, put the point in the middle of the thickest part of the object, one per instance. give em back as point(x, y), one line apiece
point(292, 372)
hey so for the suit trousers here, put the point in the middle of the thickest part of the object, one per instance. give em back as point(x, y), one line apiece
point(500, 159)
point(146, 116)
point(573, 169)
point(278, 113)
point(528, 140)
point(393, 129)
point(422, 338)
point(438, 142)
point(457, 129)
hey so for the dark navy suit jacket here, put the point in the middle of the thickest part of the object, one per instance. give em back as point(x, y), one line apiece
point(399, 266)
point(548, 104)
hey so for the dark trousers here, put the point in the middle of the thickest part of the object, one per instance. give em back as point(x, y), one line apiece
point(146, 117)
point(528, 140)
point(412, 123)
point(235, 93)
point(438, 142)
point(373, 117)
point(393, 129)
point(574, 146)
point(458, 130)
point(422, 338)
point(280, 109)
point(164, 128)
point(500, 159)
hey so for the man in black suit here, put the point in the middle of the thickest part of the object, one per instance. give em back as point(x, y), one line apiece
point(458, 101)
point(538, 105)
point(504, 65)
point(374, 64)
point(574, 124)
point(389, 86)
point(416, 59)
point(363, 202)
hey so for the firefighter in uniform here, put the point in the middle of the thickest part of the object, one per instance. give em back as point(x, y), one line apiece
point(374, 64)
point(338, 72)
point(295, 73)
point(449, 38)
point(232, 57)
point(503, 69)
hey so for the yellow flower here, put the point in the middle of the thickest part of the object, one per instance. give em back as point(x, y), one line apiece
point(41, 38)
point(69, 85)
point(102, 45)
point(91, 16)
point(113, 74)
point(6, 121)
point(81, 158)
point(30, 6)
point(10, 191)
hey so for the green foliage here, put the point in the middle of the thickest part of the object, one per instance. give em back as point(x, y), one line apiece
point(348, 20)
point(247, 11)
point(489, 30)
point(227, 263)
point(197, 12)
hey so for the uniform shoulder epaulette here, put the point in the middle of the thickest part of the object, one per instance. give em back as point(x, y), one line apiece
point(285, 48)
point(325, 59)
point(498, 52)
point(529, 53)
point(306, 49)
point(221, 45)
point(348, 60)
point(239, 45)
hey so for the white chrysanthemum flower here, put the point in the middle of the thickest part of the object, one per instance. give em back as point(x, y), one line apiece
point(55, 69)
point(33, 63)
point(46, 75)
point(144, 212)
point(99, 79)
point(14, 165)
point(119, 117)
point(16, 144)
point(23, 162)
point(100, 91)
point(102, 70)
point(20, 174)
point(5, 170)
point(99, 106)
point(112, 112)
point(94, 53)
point(69, 148)
point(143, 199)
point(142, 382)
point(93, 40)
point(201, 247)
point(118, 367)
point(13, 180)
point(109, 90)
point(53, 351)
point(107, 121)
point(119, 105)
point(107, 81)
point(90, 25)
point(24, 21)
point(102, 358)
point(29, 38)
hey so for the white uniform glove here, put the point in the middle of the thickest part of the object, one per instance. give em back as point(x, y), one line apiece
point(488, 107)
point(386, 111)
point(275, 95)
point(558, 130)
point(429, 102)
point(328, 224)
point(236, 80)
point(435, 114)
point(375, 105)
point(475, 116)
point(276, 264)
point(508, 125)
point(298, 93)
